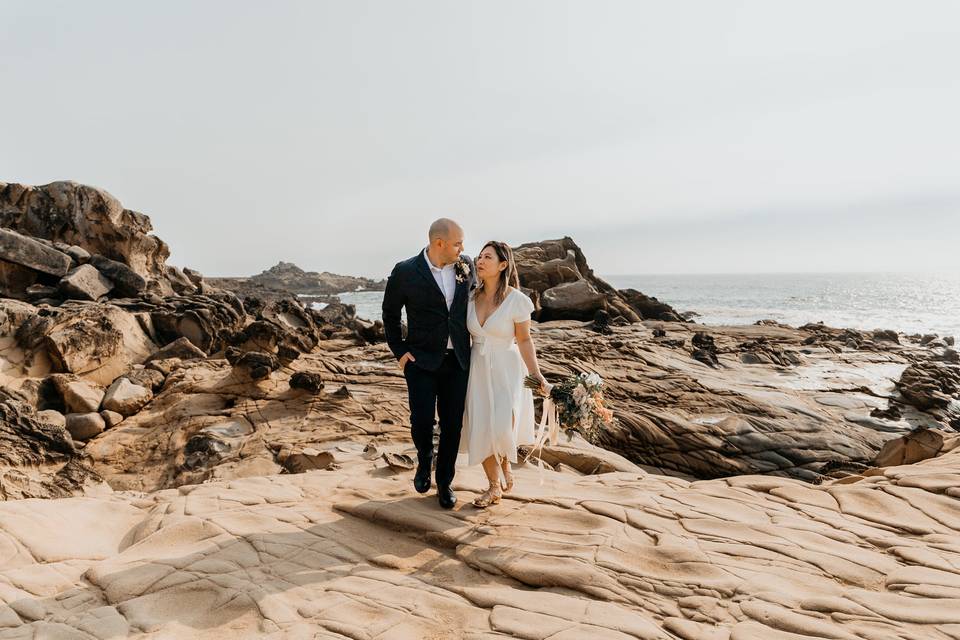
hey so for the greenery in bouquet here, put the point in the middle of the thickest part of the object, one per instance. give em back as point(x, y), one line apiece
point(579, 402)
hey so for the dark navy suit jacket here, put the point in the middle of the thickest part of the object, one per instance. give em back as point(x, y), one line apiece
point(429, 323)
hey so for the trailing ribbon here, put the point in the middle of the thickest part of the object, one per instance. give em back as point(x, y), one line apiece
point(549, 428)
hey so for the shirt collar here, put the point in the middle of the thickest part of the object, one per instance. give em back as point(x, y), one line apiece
point(426, 256)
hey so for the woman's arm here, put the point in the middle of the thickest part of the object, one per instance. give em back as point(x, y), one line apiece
point(528, 351)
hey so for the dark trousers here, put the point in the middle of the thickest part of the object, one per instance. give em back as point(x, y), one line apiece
point(437, 393)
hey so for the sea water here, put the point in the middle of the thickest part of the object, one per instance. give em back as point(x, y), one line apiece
point(911, 303)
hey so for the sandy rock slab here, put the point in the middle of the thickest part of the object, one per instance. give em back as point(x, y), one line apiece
point(355, 553)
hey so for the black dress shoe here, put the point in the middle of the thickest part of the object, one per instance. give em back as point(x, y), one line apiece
point(446, 496)
point(421, 480)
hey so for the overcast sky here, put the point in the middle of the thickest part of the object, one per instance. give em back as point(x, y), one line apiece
point(665, 137)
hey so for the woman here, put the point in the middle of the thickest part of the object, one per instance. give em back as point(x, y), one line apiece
point(499, 409)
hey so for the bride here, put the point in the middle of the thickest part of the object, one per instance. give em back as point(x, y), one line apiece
point(499, 409)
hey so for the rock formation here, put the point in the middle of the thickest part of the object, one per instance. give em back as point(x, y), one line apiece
point(555, 274)
point(286, 276)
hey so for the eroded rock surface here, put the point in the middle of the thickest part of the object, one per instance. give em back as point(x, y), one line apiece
point(353, 552)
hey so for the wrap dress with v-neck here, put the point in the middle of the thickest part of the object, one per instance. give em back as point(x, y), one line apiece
point(499, 409)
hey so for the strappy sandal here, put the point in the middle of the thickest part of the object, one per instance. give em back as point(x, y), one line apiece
point(489, 497)
point(507, 485)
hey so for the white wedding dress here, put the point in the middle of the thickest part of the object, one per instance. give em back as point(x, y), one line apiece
point(499, 409)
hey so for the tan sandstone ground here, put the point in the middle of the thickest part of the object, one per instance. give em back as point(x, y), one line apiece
point(355, 553)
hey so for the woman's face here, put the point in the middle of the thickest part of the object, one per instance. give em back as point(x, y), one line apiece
point(489, 264)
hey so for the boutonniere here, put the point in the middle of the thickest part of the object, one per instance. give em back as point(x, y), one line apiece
point(462, 270)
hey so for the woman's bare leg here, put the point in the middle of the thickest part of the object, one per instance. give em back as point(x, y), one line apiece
point(492, 495)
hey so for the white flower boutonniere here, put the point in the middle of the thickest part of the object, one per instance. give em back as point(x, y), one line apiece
point(462, 270)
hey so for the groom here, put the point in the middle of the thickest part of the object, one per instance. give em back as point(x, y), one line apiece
point(435, 356)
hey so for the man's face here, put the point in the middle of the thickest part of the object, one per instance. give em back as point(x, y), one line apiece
point(452, 246)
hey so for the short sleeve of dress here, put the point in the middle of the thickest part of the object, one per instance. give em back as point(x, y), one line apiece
point(522, 306)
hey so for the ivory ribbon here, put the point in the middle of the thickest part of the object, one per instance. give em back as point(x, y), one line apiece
point(549, 428)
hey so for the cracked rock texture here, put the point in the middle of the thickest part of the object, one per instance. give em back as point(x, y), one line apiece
point(353, 552)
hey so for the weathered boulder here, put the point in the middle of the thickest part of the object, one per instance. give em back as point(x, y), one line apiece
point(571, 301)
point(149, 378)
point(97, 341)
point(52, 417)
point(125, 397)
point(556, 276)
point(181, 348)
point(79, 396)
point(111, 418)
point(85, 283)
point(307, 381)
point(208, 321)
point(917, 445)
point(17, 248)
point(83, 426)
point(648, 307)
point(126, 281)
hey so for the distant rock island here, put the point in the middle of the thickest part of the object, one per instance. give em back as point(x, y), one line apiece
point(286, 276)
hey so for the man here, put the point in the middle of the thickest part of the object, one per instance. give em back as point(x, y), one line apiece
point(434, 287)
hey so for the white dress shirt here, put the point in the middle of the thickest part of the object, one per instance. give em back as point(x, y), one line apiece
point(447, 281)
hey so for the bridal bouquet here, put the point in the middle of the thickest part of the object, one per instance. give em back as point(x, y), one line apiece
point(577, 404)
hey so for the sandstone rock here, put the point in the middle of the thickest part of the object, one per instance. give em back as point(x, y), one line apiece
point(98, 342)
point(545, 265)
point(85, 283)
point(306, 459)
point(19, 249)
point(125, 397)
point(149, 378)
point(78, 254)
point(916, 446)
point(164, 366)
point(79, 396)
point(111, 418)
point(950, 341)
point(571, 300)
point(51, 417)
point(181, 349)
point(126, 281)
point(83, 426)
point(86, 217)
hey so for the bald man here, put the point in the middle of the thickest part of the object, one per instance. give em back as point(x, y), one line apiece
point(434, 356)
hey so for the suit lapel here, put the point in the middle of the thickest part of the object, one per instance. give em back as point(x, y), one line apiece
point(424, 270)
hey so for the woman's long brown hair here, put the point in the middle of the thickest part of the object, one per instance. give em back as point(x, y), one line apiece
point(509, 276)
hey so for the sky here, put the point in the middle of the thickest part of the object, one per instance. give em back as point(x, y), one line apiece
point(690, 136)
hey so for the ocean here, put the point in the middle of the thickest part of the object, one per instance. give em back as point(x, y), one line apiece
point(907, 302)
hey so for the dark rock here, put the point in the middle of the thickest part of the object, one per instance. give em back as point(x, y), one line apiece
point(41, 291)
point(659, 333)
point(648, 307)
point(307, 381)
point(887, 335)
point(15, 279)
point(257, 364)
point(19, 249)
point(704, 349)
point(126, 281)
point(601, 322)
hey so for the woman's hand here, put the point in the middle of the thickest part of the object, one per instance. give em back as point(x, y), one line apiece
point(544, 385)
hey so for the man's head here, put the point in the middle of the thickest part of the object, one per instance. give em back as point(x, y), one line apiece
point(446, 241)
